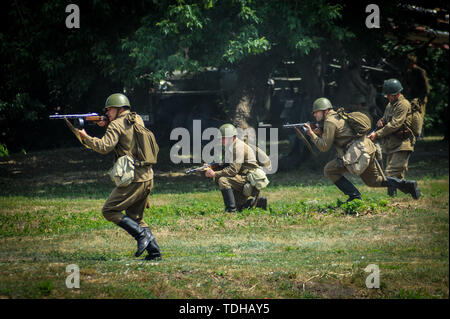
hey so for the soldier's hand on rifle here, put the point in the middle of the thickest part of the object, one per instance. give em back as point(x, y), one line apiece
point(210, 173)
point(373, 136)
point(309, 130)
point(380, 123)
point(104, 122)
point(83, 134)
point(318, 131)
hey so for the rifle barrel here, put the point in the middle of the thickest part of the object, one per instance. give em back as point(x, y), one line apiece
point(293, 125)
point(73, 116)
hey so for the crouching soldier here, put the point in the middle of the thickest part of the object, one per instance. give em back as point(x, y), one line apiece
point(337, 131)
point(236, 179)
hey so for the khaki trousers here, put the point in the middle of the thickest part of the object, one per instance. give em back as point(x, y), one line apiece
point(397, 164)
point(372, 177)
point(131, 199)
point(236, 183)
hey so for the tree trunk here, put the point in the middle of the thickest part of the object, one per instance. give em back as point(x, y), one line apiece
point(311, 70)
point(248, 100)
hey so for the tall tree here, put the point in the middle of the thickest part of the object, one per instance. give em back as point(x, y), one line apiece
point(249, 37)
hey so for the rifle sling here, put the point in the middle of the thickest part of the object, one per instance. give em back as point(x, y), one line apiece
point(303, 138)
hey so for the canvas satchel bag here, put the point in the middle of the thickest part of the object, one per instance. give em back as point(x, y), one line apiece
point(258, 178)
point(357, 157)
point(122, 173)
point(147, 150)
point(358, 121)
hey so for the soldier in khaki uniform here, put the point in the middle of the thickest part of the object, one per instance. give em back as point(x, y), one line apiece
point(395, 133)
point(337, 132)
point(233, 178)
point(132, 199)
point(358, 104)
point(416, 83)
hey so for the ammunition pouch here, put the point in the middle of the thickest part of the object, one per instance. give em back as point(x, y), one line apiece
point(257, 178)
point(122, 173)
point(403, 134)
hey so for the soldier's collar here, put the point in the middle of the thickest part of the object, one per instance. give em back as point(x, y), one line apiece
point(124, 113)
point(330, 113)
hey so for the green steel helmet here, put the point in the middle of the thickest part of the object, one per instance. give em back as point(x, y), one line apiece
point(117, 100)
point(391, 86)
point(228, 130)
point(321, 104)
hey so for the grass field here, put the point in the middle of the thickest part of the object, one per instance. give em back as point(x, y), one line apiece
point(50, 217)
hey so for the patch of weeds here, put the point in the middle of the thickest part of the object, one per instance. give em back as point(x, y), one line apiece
point(411, 294)
point(354, 207)
point(45, 288)
point(358, 206)
point(309, 295)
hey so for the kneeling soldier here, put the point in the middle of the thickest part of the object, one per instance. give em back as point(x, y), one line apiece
point(232, 180)
point(337, 131)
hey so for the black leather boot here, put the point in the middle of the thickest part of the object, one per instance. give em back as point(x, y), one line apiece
point(391, 189)
point(348, 189)
point(139, 233)
point(153, 249)
point(248, 204)
point(261, 203)
point(407, 187)
point(228, 199)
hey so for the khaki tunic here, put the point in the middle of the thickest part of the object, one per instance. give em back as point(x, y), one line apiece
point(397, 116)
point(234, 176)
point(336, 131)
point(119, 137)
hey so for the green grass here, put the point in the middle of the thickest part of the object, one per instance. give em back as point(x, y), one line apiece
point(301, 247)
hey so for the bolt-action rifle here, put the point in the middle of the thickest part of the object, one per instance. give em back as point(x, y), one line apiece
point(214, 166)
point(299, 127)
point(374, 130)
point(80, 119)
point(302, 126)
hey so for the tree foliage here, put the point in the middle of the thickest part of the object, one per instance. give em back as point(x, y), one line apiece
point(192, 35)
point(129, 45)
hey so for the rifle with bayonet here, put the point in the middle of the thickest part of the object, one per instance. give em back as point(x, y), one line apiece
point(299, 127)
point(214, 166)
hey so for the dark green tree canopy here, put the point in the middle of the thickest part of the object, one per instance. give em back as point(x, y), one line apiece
point(135, 44)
